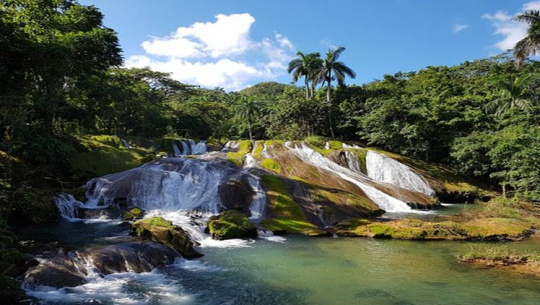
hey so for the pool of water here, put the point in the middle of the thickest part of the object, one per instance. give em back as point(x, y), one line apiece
point(302, 270)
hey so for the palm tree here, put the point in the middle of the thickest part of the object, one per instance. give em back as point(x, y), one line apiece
point(305, 65)
point(330, 66)
point(247, 107)
point(332, 69)
point(514, 94)
point(530, 45)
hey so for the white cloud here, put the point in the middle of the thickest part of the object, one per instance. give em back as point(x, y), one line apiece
point(217, 54)
point(512, 31)
point(458, 27)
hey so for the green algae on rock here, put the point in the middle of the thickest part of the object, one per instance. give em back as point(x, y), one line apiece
point(231, 224)
point(163, 231)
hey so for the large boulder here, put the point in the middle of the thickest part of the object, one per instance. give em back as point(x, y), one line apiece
point(58, 271)
point(65, 270)
point(236, 194)
point(163, 231)
point(231, 224)
point(135, 257)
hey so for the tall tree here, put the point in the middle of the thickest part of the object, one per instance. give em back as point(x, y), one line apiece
point(514, 93)
point(247, 107)
point(307, 66)
point(333, 69)
point(530, 45)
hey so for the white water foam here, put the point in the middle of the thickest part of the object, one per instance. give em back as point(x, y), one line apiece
point(385, 169)
point(118, 288)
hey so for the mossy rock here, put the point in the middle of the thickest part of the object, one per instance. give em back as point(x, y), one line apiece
point(271, 165)
point(284, 213)
point(133, 214)
point(163, 231)
point(231, 224)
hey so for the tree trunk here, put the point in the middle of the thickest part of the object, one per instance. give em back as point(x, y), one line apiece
point(249, 128)
point(307, 87)
point(329, 100)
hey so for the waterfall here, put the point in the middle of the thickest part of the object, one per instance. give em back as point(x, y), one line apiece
point(176, 150)
point(186, 148)
point(352, 162)
point(327, 145)
point(385, 169)
point(178, 188)
point(68, 206)
point(347, 146)
point(198, 148)
point(125, 143)
point(384, 201)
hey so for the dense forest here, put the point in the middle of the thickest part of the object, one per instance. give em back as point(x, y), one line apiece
point(61, 74)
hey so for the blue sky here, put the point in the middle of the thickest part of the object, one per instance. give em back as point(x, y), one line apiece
point(237, 43)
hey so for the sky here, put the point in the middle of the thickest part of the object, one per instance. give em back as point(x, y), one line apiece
point(233, 44)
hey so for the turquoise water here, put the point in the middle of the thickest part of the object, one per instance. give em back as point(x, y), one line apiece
point(304, 271)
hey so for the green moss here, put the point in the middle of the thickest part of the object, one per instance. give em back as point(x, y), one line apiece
point(104, 155)
point(231, 224)
point(285, 214)
point(316, 141)
point(158, 222)
point(257, 151)
point(237, 158)
point(335, 145)
point(133, 214)
point(272, 165)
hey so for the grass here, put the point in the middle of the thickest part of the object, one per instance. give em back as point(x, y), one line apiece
point(498, 252)
point(103, 155)
point(284, 213)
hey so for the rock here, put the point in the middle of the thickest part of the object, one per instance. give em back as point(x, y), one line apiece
point(231, 224)
point(58, 271)
point(163, 231)
point(133, 214)
point(136, 257)
point(111, 212)
point(65, 271)
point(236, 193)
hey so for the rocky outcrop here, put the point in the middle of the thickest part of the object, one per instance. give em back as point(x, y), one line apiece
point(236, 194)
point(163, 231)
point(231, 224)
point(70, 270)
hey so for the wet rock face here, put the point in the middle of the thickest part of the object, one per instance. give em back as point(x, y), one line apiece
point(58, 271)
point(163, 231)
point(135, 257)
point(70, 270)
point(231, 224)
point(236, 194)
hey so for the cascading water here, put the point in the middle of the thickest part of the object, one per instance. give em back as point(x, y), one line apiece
point(176, 188)
point(176, 150)
point(385, 169)
point(352, 162)
point(384, 201)
point(186, 148)
point(125, 143)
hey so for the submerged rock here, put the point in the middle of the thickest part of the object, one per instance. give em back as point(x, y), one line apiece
point(231, 224)
point(163, 231)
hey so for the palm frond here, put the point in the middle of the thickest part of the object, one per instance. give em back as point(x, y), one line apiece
point(530, 17)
